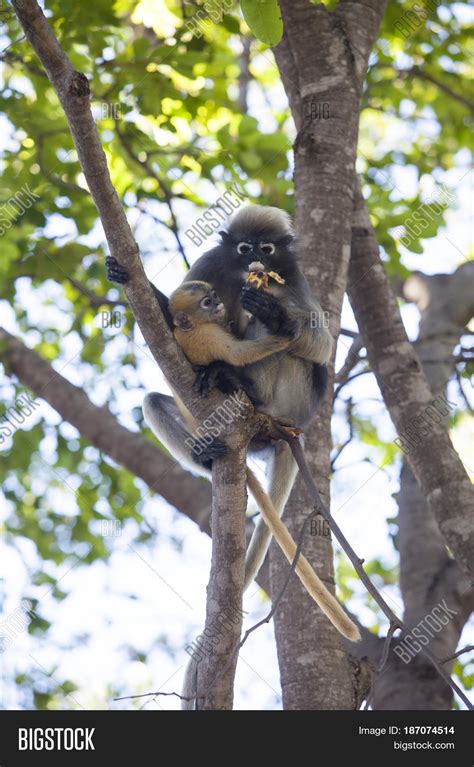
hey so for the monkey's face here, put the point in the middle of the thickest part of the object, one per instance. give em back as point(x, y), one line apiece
point(272, 252)
point(195, 303)
point(210, 307)
point(259, 233)
point(255, 250)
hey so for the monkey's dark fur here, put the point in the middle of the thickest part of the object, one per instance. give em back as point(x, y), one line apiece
point(288, 385)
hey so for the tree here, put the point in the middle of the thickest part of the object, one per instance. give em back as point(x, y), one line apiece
point(203, 130)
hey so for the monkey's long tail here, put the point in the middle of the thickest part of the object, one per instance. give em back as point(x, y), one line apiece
point(313, 585)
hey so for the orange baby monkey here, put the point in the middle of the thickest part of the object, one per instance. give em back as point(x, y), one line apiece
point(201, 329)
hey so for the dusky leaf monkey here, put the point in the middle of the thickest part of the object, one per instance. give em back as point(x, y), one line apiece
point(287, 385)
point(199, 320)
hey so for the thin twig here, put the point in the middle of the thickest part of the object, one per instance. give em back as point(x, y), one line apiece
point(348, 333)
point(275, 603)
point(352, 358)
point(386, 649)
point(166, 193)
point(469, 648)
point(95, 300)
point(155, 694)
point(349, 407)
point(10, 45)
point(423, 75)
point(352, 378)
point(462, 392)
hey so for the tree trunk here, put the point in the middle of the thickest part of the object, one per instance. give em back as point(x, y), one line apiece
point(428, 575)
point(406, 392)
point(322, 60)
point(215, 672)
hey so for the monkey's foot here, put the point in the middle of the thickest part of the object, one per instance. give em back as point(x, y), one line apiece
point(204, 454)
point(115, 272)
point(290, 431)
point(218, 374)
point(224, 377)
point(282, 429)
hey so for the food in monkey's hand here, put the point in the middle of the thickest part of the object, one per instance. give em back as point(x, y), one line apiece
point(258, 277)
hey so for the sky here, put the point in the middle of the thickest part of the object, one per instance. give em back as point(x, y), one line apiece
point(151, 599)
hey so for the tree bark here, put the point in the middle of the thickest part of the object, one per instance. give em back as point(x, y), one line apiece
point(428, 575)
point(407, 393)
point(322, 60)
point(215, 677)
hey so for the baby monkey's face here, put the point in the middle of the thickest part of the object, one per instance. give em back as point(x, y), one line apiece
point(210, 306)
point(194, 303)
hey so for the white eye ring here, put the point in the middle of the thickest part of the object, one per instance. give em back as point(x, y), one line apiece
point(206, 302)
point(244, 248)
point(267, 248)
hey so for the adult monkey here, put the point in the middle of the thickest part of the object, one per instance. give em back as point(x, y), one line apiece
point(287, 385)
point(201, 329)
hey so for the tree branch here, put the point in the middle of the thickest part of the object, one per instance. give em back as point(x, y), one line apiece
point(97, 424)
point(215, 672)
point(468, 648)
point(188, 494)
point(72, 89)
point(383, 662)
point(405, 390)
point(422, 74)
point(360, 21)
point(244, 76)
point(164, 189)
point(428, 575)
point(352, 359)
point(338, 389)
point(95, 300)
point(340, 448)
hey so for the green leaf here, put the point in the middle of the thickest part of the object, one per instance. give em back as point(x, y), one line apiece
point(248, 125)
point(264, 19)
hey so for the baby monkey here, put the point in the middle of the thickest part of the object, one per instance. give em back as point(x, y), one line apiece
point(201, 330)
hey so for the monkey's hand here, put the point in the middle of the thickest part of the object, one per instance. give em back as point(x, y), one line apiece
point(224, 377)
point(118, 274)
point(268, 310)
point(115, 272)
point(204, 454)
point(218, 374)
